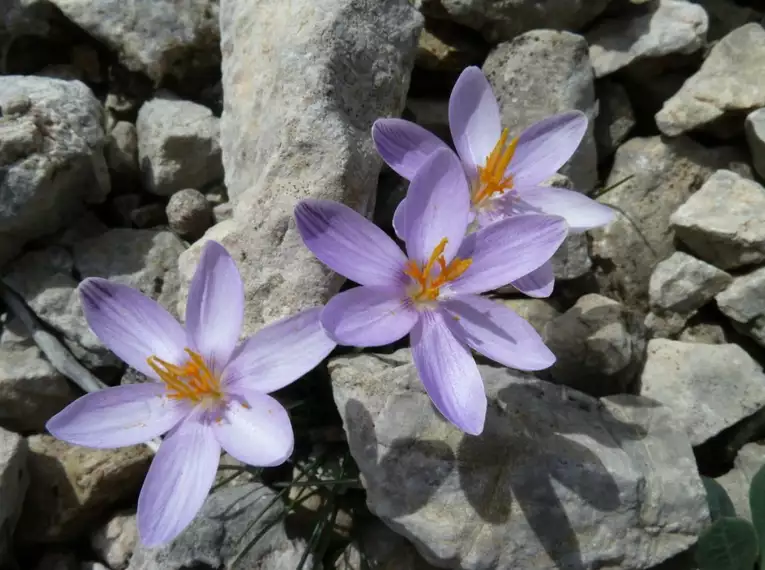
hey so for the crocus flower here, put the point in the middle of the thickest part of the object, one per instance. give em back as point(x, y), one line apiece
point(206, 392)
point(505, 175)
point(431, 292)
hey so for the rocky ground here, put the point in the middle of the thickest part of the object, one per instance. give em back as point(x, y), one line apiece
point(130, 132)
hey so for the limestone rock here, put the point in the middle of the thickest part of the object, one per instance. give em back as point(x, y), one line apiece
point(189, 213)
point(744, 304)
point(755, 137)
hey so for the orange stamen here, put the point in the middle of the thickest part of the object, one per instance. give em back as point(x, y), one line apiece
point(491, 177)
point(193, 381)
point(428, 285)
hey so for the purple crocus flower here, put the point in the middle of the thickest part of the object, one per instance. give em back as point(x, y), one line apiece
point(431, 291)
point(206, 392)
point(505, 176)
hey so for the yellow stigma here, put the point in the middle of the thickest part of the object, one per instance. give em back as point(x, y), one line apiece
point(428, 284)
point(491, 177)
point(193, 381)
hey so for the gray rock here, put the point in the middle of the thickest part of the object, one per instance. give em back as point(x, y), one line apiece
point(591, 481)
point(445, 47)
point(599, 346)
point(521, 73)
point(722, 222)
point(744, 304)
point(51, 157)
point(14, 479)
point(572, 260)
point(178, 146)
point(122, 150)
point(615, 117)
point(221, 532)
point(737, 481)
point(679, 286)
point(703, 333)
point(189, 214)
point(755, 137)
point(726, 16)
point(708, 387)
point(115, 541)
point(157, 37)
point(655, 30)
point(729, 82)
point(277, 91)
point(26, 17)
point(502, 21)
point(664, 175)
point(537, 312)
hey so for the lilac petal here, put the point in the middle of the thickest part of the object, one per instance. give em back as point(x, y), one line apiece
point(348, 243)
point(178, 481)
point(580, 212)
point(280, 353)
point(368, 317)
point(539, 283)
point(255, 430)
point(498, 333)
point(508, 250)
point(474, 119)
point(546, 146)
point(215, 306)
point(131, 325)
point(399, 219)
point(116, 417)
point(437, 207)
point(403, 145)
point(449, 373)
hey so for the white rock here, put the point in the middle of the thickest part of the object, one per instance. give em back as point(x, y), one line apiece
point(115, 541)
point(744, 304)
point(14, 479)
point(755, 137)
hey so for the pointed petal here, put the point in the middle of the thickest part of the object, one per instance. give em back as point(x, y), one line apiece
point(368, 317)
point(215, 306)
point(255, 429)
point(546, 146)
point(474, 119)
point(119, 416)
point(131, 325)
point(580, 212)
point(280, 353)
point(539, 283)
point(508, 250)
point(399, 219)
point(403, 145)
point(449, 373)
point(178, 481)
point(348, 243)
point(437, 207)
point(498, 333)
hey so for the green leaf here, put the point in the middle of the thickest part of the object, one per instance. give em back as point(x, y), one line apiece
point(719, 502)
point(729, 544)
point(757, 504)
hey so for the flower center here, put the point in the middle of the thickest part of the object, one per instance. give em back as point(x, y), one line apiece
point(193, 381)
point(491, 177)
point(434, 274)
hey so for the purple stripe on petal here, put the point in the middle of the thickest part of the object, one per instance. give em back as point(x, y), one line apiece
point(116, 417)
point(508, 250)
point(474, 119)
point(539, 283)
point(280, 353)
point(255, 430)
point(498, 333)
point(403, 145)
point(348, 243)
point(131, 325)
point(437, 207)
point(364, 316)
point(215, 306)
point(177, 483)
point(580, 212)
point(546, 146)
point(449, 373)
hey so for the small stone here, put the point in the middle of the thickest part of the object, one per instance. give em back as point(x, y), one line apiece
point(744, 304)
point(14, 480)
point(599, 346)
point(178, 146)
point(755, 137)
point(444, 46)
point(708, 387)
point(189, 214)
point(521, 72)
point(722, 222)
point(730, 82)
point(662, 28)
point(703, 333)
point(572, 260)
point(738, 480)
point(71, 487)
point(122, 150)
point(115, 541)
point(615, 117)
point(149, 216)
